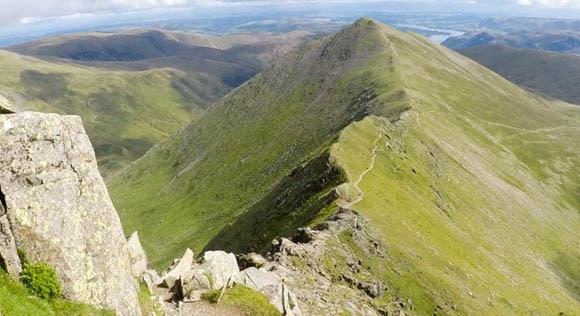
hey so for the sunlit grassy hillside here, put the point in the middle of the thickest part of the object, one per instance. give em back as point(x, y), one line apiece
point(472, 181)
point(475, 189)
point(554, 74)
point(125, 113)
point(134, 89)
point(15, 299)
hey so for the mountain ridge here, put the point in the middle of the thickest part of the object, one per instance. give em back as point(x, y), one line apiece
point(318, 80)
point(549, 73)
point(128, 106)
point(471, 180)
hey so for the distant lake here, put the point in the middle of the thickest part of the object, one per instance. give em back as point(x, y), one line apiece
point(438, 38)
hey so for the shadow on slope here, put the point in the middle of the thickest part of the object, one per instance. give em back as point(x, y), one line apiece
point(241, 154)
point(295, 201)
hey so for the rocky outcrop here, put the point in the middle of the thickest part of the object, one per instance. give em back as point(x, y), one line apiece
point(330, 269)
point(333, 268)
point(137, 255)
point(180, 269)
point(219, 266)
point(268, 283)
point(59, 212)
point(186, 281)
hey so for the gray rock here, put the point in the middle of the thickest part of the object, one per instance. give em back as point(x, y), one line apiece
point(373, 289)
point(251, 259)
point(197, 280)
point(151, 279)
point(257, 279)
point(284, 300)
point(269, 284)
point(219, 266)
point(137, 255)
point(5, 106)
point(180, 269)
point(64, 217)
point(9, 259)
point(193, 296)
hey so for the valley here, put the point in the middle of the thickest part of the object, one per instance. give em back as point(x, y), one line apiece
point(133, 90)
point(298, 165)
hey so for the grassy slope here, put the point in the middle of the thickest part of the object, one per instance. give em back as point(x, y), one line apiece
point(487, 221)
point(489, 218)
point(553, 74)
point(15, 299)
point(193, 186)
point(125, 113)
point(166, 80)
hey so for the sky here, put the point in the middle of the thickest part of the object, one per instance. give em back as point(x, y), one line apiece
point(14, 12)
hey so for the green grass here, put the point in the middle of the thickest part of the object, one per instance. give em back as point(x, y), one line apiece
point(15, 300)
point(553, 74)
point(128, 106)
point(145, 302)
point(124, 112)
point(474, 185)
point(483, 210)
point(244, 299)
point(440, 226)
point(253, 150)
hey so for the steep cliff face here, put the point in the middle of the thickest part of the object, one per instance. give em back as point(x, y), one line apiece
point(58, 210)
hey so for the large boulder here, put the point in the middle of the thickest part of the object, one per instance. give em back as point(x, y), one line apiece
point(219, 266)
point(217, 269)
point(59, 210)
point(283, 299)
point(180, 270)
point(137, 255)
point(269, 284)
point(257, 279)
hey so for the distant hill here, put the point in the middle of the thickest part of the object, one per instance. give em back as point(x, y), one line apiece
point(134, 89)
point(529, 24)
point(472, 182)
point(552, 74)
point(558, 41)
point(232, 58)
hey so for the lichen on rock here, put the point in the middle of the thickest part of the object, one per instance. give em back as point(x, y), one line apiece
point(59, 210)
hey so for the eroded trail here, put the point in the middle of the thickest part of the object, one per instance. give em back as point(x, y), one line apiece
point(360, 195)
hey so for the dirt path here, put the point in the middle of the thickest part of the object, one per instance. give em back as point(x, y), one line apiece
point(360, 195)
point(198, 308)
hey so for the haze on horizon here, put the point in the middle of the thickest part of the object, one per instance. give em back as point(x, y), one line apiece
point(22, 12)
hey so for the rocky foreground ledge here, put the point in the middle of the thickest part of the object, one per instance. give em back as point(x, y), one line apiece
point(55, 207)
point(312, 273)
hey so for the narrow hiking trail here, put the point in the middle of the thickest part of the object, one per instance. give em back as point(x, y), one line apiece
point(360, 195)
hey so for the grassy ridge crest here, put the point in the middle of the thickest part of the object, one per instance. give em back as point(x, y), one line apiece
point(472, 181)
point(235, 158)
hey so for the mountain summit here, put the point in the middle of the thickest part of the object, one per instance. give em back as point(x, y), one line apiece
point(471, 181)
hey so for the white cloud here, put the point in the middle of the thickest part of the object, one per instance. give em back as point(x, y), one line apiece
point(138, 4)
point(553, 3)
point(28, 10)
point(550, 4)
point(14, 11)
